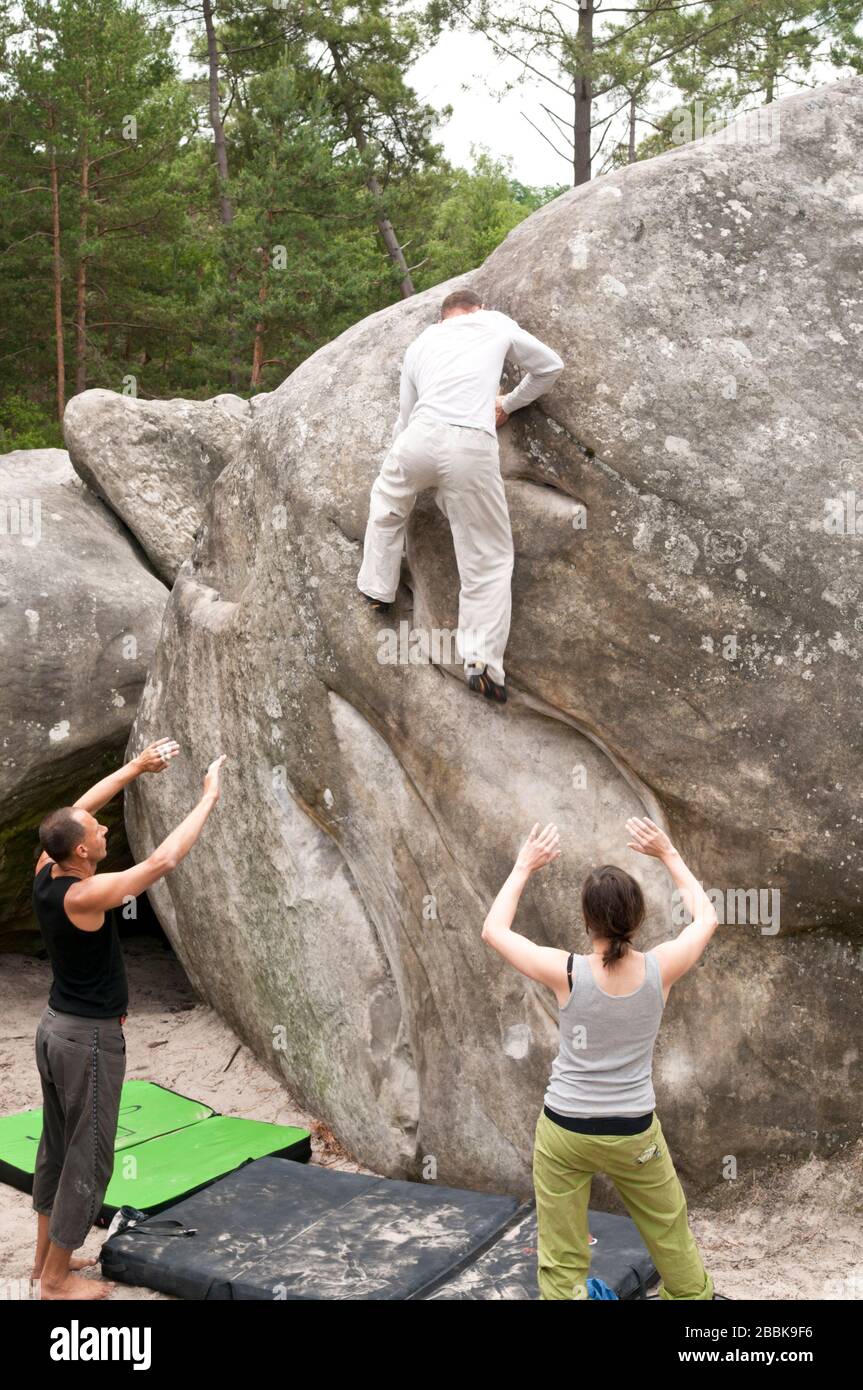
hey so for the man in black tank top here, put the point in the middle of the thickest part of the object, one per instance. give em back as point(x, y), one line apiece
point(89, 974)
point(80, 1046)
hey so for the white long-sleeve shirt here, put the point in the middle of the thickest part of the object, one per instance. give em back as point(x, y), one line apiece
point(451, 372)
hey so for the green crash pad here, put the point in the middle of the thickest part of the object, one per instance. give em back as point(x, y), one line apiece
point(146, 1110)
point(153, 1175)
point(175, 1151)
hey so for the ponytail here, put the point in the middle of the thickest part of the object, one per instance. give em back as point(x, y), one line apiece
point(613, 907)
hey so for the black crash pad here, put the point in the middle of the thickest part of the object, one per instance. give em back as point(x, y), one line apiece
point(274, 1230)
point(508, 1269)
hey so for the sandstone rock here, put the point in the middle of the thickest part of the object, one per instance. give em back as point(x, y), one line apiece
point(693, 651)
point(81, 616)
point(708, 307)
point(154, 462)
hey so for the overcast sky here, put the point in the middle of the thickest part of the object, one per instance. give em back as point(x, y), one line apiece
point(462, 60)
point(463, 71)
point(467, 60)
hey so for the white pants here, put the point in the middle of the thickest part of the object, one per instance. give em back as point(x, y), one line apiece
point(463, 465)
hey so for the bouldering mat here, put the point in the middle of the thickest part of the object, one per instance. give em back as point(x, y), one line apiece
point(508, 1269)
point(154, 1175)
point(274, 1231)
point(167, 1146)
point(146, 1110)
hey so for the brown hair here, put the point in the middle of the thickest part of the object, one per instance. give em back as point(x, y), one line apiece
point(613, 906)
point(460, 299)
point(60, 832)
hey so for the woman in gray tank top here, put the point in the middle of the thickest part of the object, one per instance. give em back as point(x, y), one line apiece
point(598, 1113)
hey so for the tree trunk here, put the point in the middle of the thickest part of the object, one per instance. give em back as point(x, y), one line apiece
point(773, 33)
point(81, 294)
point(385, 226)
point(581, 158)
point(58, 274)
point(258, 349)
point(632, 129)
point(225, 207)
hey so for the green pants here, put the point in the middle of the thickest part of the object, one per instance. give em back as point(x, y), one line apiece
point(641, 1169)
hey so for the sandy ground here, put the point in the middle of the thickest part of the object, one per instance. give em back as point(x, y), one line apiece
point(171, 1039)
point(792, 1232)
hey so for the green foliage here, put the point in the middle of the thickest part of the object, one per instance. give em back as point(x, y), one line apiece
point(329, 151)
point(479, 212)
point(24, 424)
point(325, 139)
point(90, 98)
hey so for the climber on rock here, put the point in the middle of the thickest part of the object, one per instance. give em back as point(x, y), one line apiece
point(445, 438)
point(80, 1044)
point(598, 1114)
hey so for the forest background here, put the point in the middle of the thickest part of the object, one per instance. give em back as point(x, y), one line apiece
point(195, 197)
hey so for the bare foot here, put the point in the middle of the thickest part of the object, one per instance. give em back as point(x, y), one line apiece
point(76, 1262)
point(75, 1286)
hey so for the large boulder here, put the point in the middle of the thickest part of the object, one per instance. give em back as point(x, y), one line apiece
point(692, 652)
point(81, 615)
point(154, 462)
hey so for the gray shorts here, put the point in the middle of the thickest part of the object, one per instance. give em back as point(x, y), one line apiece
point(82, 1063)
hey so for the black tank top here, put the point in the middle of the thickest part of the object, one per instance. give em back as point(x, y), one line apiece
point(89, 974)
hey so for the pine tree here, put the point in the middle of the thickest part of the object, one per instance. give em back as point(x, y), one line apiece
point(96, 119)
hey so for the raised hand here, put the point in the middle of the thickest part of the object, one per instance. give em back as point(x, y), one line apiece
point(211, 780)
point(647, 838)
point(157, 756)
point(539, 849)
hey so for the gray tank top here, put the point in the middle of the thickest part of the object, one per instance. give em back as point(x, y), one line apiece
point(604, 1066)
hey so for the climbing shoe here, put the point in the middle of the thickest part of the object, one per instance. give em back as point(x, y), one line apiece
point(377, 604)
point(482, 682)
